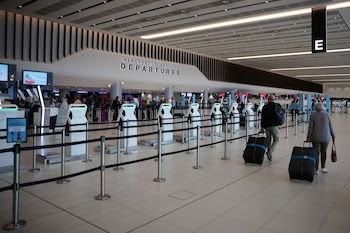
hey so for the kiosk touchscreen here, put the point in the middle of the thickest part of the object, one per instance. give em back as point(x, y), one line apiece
point(250, 115)
point(193, 112)
point(77, 115)
point(235, 116)
point(166, 116)
point(215, 110)
point(7, 111)
point(127, 112)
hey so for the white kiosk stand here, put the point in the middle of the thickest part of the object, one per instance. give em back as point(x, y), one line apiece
point(166, 116)
point(195, 117)
point(127, 115)
point(49, 112)
point(250, 115)
point(7, 111)
point(77, 115)
point(235, 117)
point(215, 110)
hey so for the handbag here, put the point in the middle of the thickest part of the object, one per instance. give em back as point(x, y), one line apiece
point(334, 153)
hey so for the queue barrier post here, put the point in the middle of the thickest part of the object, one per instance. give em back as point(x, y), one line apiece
point(117, 168)
point(103, 196)
point(296, 124)
point(63, 160)
point(159, 178)
point(225, 146)
point(127, 152)
point(231, 129)
point(287, 123)
point(188, 137)
point(246, 127)
point(183, 132)
point(109, 115)
point(16, 223)
point(198, 149)
point(212, 134)
point(303, 122)
point(87, 159)
point(34, 168)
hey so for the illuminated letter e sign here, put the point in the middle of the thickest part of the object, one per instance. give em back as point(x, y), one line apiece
point(319, 29)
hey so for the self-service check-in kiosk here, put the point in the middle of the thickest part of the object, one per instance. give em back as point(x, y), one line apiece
point(216, 115)
point(7, 111)
point(167, 120)
point(127, 115)
point(193, 113)
point(250, 115)
point(77, 121)
point(74, 114)
point(235, 117)
point(49, 113)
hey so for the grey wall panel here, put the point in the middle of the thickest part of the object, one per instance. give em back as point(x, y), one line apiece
point(73, 40)
point(2, 33)
point(41, 40)
point(114, 44)
point(84, 42)
point(54, 47)
point(26, 38)
point(61, 34)
point(109, 42)
point(79, 40)
point(48, 41)
point(119, 42)
point(10, 36)
point(67, 40)
point(94, 39)
point(18, 37)
point(100, 41)
point(34, 40)
point(90, 39)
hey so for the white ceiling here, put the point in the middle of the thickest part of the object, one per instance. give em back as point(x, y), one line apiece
point(136, 18)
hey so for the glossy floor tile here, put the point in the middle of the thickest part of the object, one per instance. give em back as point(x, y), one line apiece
point(223, 196)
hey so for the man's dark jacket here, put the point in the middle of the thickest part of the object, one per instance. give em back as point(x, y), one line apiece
point(268, 115)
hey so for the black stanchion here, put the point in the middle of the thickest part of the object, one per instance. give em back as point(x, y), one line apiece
point(16, 223)
point(103, 196)
point(34, 168)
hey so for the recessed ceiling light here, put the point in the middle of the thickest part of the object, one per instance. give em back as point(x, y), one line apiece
point(104, 2)
point(225, 1)
point(19, 7)
point(79, 10)
point(195, 15)
point(61, 16)
point(169, 4)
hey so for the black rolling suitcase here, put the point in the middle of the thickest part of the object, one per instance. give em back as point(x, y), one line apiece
point(255, 150)
point(302, 163)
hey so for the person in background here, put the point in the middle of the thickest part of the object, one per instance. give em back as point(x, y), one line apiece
point(269, 125)
point(64, 103)
point(116, 106)
point(320, 133)
point(77, 100)
point(293, 107)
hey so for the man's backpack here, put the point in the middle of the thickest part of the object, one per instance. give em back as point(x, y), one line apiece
point(279, 114)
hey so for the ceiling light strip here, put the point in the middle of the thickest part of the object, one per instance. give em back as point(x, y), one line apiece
point(244, 20)
point(285, 54)
point(311, 68)
point(331, 80)
point(230, 23)
point(321, 75)
point(269, 55)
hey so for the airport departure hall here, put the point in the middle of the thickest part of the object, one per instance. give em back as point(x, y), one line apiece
point(175, 116)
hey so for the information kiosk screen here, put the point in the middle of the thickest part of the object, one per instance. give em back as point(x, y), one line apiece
point(37, 78)
point(4, 70)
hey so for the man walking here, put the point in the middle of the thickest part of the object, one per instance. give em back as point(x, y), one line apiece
point(271, 117)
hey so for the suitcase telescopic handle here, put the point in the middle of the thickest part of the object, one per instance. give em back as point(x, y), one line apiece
point(306, 142)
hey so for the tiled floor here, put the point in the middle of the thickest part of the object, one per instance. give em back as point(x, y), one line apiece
point(224, 196)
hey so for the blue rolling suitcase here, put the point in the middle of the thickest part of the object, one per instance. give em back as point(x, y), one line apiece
point(255, 150)
point(302, 163)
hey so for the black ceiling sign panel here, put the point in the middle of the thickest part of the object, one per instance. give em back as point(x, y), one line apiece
point(319, 29)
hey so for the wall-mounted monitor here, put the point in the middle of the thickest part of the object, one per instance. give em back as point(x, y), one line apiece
point(7, 72)
point(36, 78)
